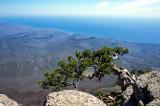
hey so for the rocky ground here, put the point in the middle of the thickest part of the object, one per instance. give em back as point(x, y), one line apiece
point(151, 91)
point(151, 94)
point(72, 98)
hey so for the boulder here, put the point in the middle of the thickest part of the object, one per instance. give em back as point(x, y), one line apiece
point(72, 98)
point(5, 101)
point(149, 85)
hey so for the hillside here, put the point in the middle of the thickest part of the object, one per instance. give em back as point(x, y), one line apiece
point(27, 52)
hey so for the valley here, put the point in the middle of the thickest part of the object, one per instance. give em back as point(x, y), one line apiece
point(27, 52)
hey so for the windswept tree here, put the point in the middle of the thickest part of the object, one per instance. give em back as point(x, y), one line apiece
point(71, 71)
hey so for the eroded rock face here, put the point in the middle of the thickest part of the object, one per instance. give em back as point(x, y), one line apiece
point(153, 81)
point(72, 98)
point(5, 101)
point(151, 91)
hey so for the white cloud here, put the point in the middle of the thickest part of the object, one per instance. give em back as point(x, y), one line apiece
point(137, 4)
point(128, 8)
point(102, 4)
point(90, 8)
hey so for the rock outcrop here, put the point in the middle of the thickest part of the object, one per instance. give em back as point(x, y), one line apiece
point(72, 98)
point(150, 86)
point(5, 101)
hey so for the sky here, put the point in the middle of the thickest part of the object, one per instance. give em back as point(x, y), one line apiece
point(131, 8)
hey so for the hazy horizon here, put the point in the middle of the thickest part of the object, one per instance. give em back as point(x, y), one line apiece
point(127, 29)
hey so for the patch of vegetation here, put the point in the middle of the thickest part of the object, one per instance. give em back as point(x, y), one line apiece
point(111, 99)
point(140, 72)
point(70, 71)
point(143, 71)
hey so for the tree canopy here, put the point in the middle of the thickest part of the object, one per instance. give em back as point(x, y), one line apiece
point(70, 71)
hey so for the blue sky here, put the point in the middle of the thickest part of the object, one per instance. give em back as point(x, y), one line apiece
point(133, 8)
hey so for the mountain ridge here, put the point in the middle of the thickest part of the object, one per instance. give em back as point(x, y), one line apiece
point(29, 52)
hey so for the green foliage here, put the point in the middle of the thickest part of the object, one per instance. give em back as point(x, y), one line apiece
point(140, 72)
point(120, 50)
point(143, 71)
point(70, 71)
point(133, 71)
point(102, 95)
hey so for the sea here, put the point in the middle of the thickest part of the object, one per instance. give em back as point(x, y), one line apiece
point(143, 30)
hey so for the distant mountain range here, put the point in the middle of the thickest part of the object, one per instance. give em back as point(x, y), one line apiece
point(26, 52)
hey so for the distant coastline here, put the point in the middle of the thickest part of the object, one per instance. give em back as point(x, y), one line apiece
point(133, 30)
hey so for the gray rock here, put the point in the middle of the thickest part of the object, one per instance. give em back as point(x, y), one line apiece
point(149, 85)
point(72, 98)
point(5, 101)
